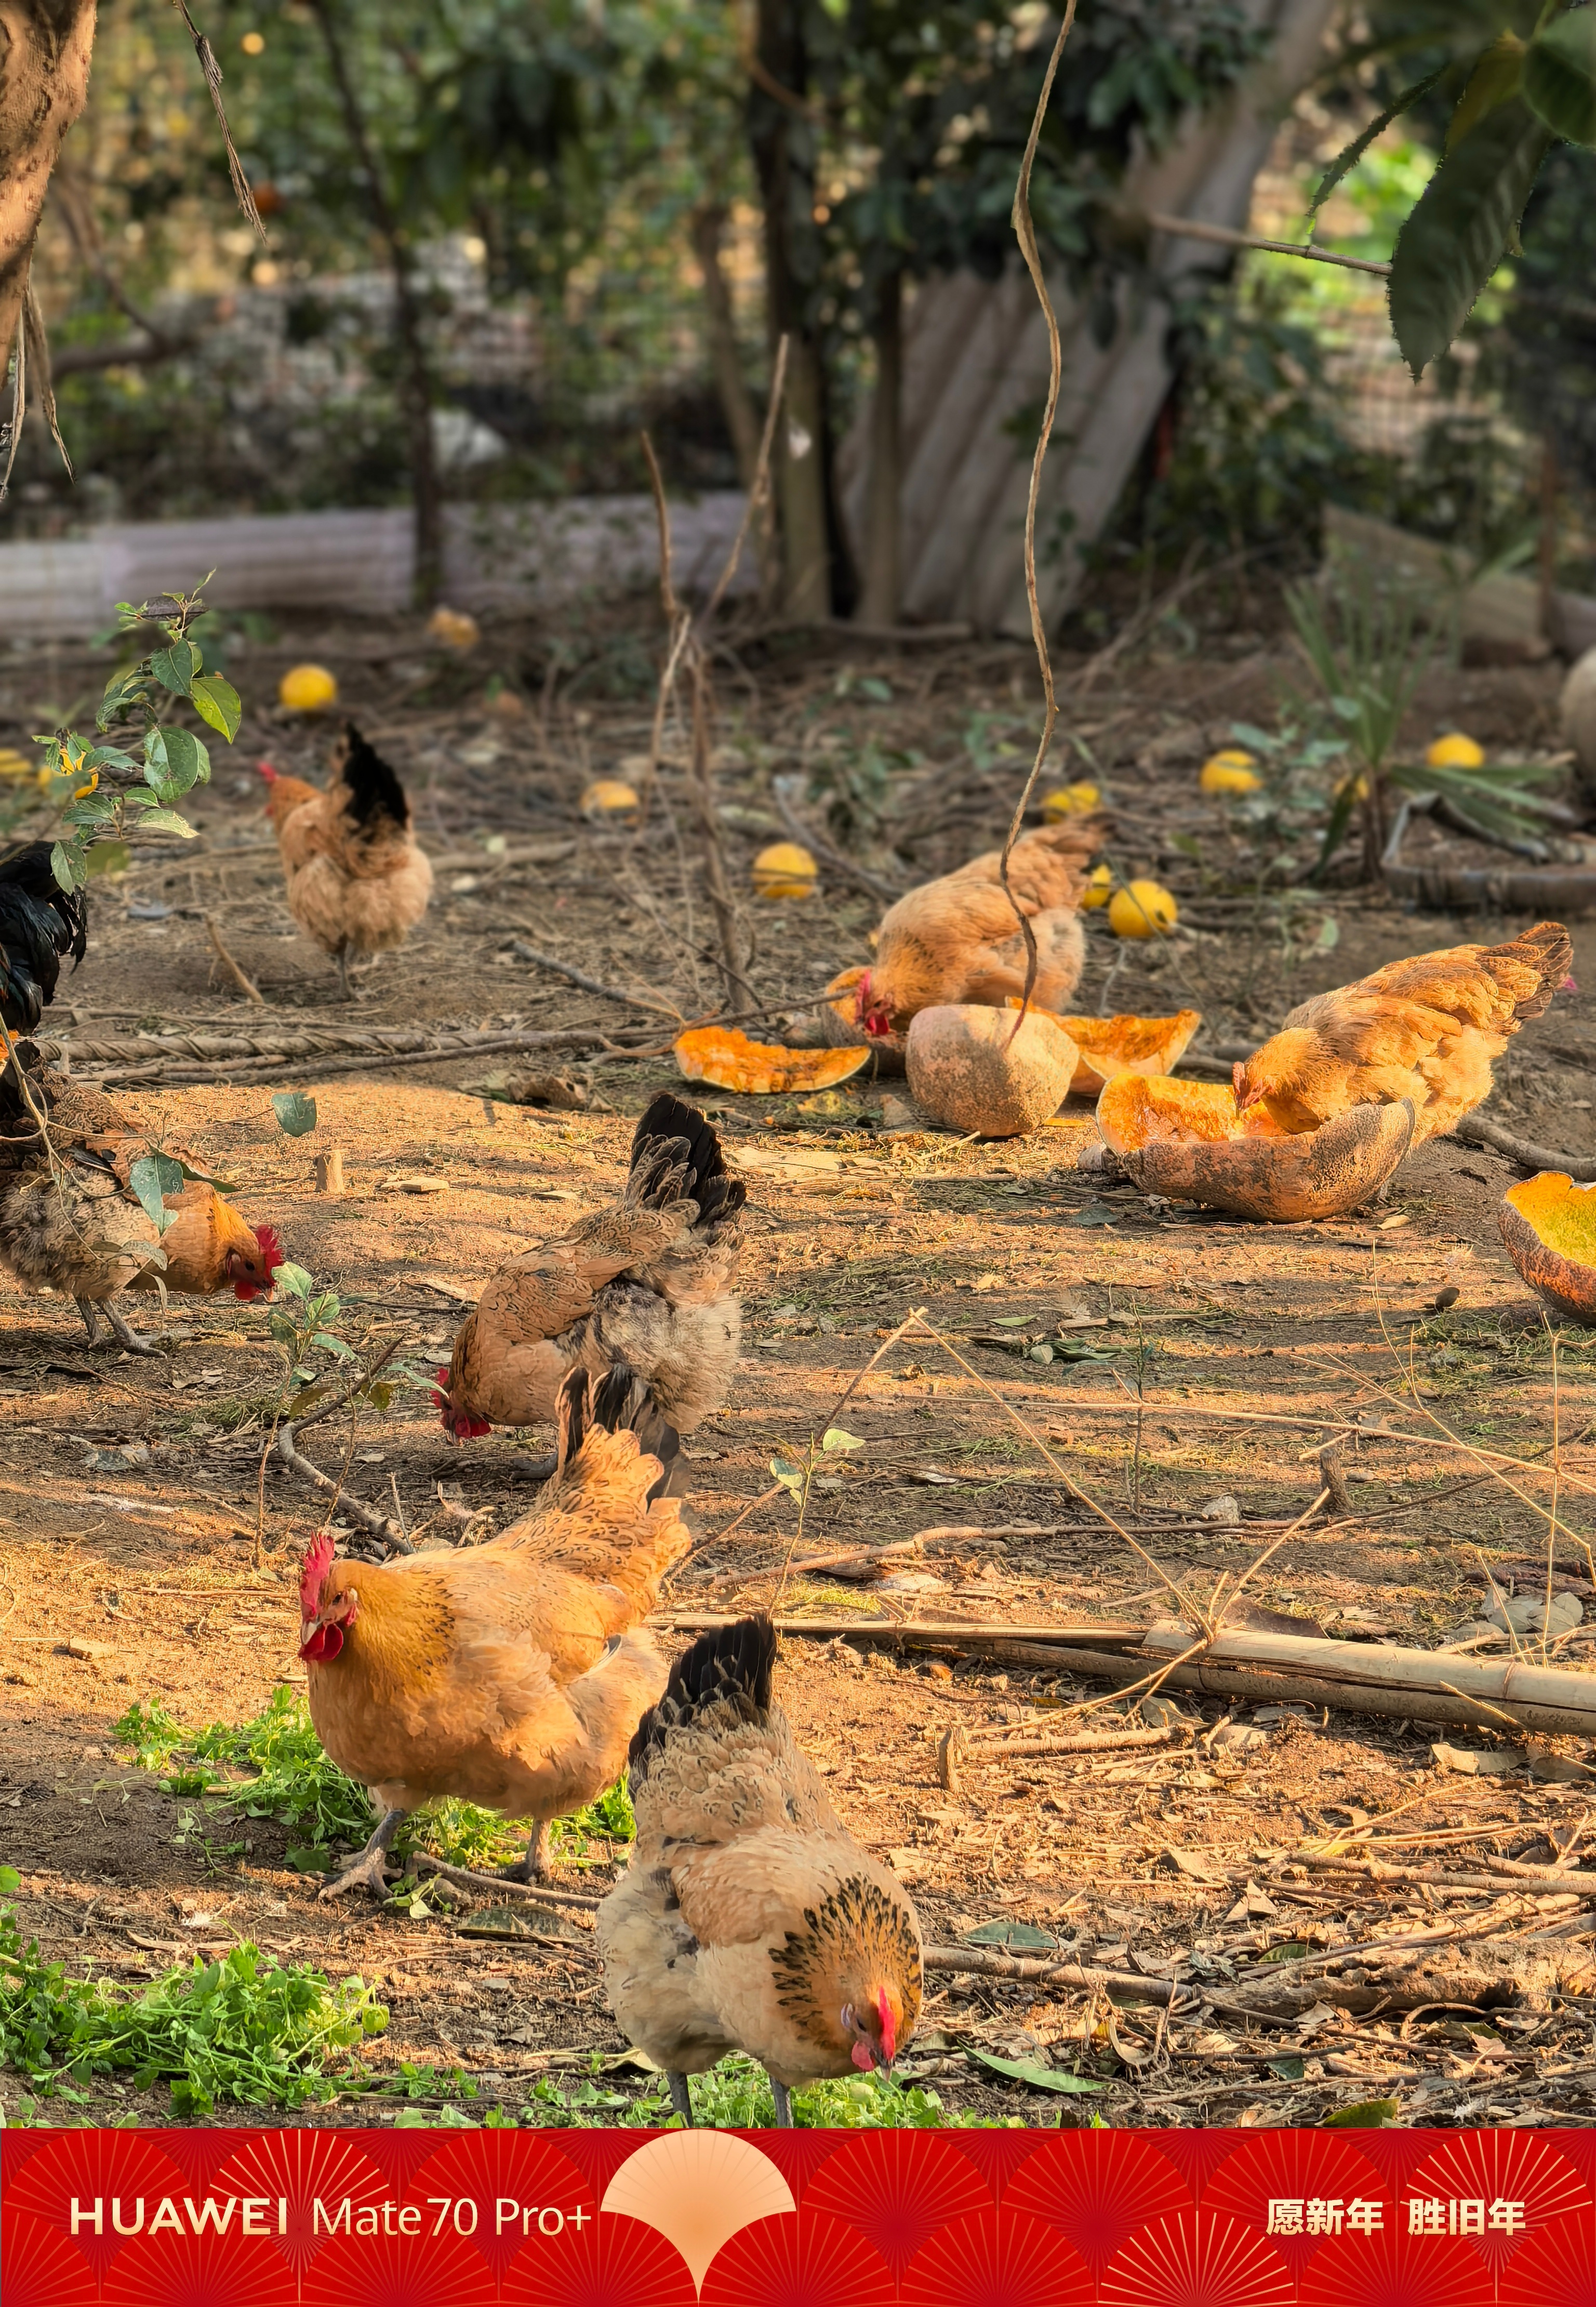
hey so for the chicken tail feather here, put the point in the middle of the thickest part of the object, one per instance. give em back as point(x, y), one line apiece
point(676, 1155)
point(729, 1667)
point(1546, 951)
point(618, 1401)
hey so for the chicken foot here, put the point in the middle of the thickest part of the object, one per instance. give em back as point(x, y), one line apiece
point(91, 1309)
point(681, 2097)
point(371, 1867)
point(784, 2105)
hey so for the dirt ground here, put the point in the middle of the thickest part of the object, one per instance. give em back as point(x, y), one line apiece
point(1190, 1856)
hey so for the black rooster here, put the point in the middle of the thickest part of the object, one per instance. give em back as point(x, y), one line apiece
point(39, 921)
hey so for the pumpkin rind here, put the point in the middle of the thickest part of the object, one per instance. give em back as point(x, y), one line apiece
point(1273, 1178)
point(1566, 1284)
point(971, 1068)
point(730, 1060)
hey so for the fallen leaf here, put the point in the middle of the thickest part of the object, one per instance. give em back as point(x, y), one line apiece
point(1368, 2114)
point(1019, 1938)
point(1024, 2071)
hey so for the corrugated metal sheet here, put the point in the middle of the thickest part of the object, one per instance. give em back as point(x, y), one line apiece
point(504, 557)
point(976, 359)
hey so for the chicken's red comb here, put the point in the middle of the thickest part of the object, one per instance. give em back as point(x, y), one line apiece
point(266, 771)
point(313, 1573)
point(270, 1246)
point(888, 2026)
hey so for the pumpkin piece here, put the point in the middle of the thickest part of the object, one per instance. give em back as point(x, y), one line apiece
point(977, 1069)
point(1454, 752)
point(840, 1028)
point(607, 798)
point(1123, 1044)
point(1185, 1140)
point(730, 1060)
point(307, 689)
point(1549, 1224)
point(1099, 888)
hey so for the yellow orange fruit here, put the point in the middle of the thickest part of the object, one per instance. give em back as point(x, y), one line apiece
point(1070, 801)
point(14, 764)
point(607, 797)
point(1231, 771)
point(307, 689)
point(1454, 752)
point(785, 871)
point(1099, 888)
point(1142, 909)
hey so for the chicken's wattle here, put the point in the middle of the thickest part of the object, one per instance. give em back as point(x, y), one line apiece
point(460, 1425)
point(325, 1642)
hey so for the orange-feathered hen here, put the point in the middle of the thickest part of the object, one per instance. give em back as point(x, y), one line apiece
point(647, 1283)
point(79, 1227)
point(957, 939)
point(511, 1674)
point(750, 1919)
point(1427, 1029)
point(357, 880)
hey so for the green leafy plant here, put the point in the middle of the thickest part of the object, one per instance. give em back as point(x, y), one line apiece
point(301, 1323)
point(241, 2028)
point(1512, 100)
point(102, 792)
point(1369, 647)
point(736, 2094)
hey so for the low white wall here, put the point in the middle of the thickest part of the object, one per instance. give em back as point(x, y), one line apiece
point(517, 556)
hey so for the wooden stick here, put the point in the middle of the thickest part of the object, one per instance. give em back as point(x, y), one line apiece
point(1226, 236)
point(1478, 1131)
point(246, 986)
point(1503, 1874)
point(913, 1632)
point(985, 1962)
point(838, 859)
point(594, 985)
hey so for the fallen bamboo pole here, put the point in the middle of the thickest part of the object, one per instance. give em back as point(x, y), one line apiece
point(984, 1962)
point(916, 1634)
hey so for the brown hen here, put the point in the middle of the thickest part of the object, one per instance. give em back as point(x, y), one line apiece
point(357, 880)
point(1425, 1028)
point(511, 1674)
point(957, 939)
point(750, 1919)
point(649, 1281)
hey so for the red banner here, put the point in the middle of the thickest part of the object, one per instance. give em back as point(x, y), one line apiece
point(806, 2218)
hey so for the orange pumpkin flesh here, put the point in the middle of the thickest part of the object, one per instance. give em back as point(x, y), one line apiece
point(1123, 1045)
point(1549, 1224)
point(1185, 1140)
point(730, 1060)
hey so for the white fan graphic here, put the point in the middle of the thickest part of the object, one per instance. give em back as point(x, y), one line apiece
point(698, 2189)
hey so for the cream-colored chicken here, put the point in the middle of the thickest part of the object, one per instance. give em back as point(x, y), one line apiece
point(648, 1282)
point(1425, 1028)
point(357, 880)
point(512, 1674)
point(750, 1919)
point(957, 939)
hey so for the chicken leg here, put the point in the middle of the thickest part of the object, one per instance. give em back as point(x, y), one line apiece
point(343, 973)
point(681, 2096)
point(784, 2106)
point(130, 1338)
point(370, 1868)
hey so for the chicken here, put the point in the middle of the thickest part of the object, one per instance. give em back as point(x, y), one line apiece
point(511, 1674)
point(957, 939)
point(648, 1282)
point(39, 921)
point(69, 1220)
point(748, 1918)
point(356, 881)
point(1425, 1029)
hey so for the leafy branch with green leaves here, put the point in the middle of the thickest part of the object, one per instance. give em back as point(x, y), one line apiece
point(1531, 85)
point(107, 794)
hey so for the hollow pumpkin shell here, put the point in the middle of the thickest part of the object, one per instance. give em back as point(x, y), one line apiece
point(1107, 1046)
point(971, 1069)
point(730, 1060)
point(840, 1028)
point(1177, 1138)
point(1549, 1224)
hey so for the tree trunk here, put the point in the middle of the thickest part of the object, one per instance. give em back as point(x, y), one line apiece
point(44, 47)
point(782, 137)
point(415, 395)
point(720, 335)
point(883, 516)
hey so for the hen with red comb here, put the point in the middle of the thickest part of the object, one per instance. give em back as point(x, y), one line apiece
point(356, 880)
point(80, 1229)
